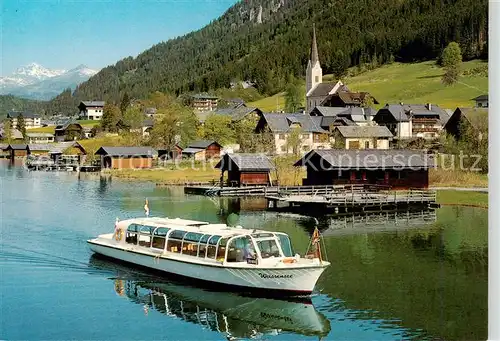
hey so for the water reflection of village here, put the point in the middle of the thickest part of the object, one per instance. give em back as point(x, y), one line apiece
point(231, 314)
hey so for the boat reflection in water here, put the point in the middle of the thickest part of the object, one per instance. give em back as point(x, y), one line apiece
point(231, 314)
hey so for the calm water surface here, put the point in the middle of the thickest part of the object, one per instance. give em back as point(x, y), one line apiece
point(419, 277)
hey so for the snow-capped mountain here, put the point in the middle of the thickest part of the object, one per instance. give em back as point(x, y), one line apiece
point(34, 81)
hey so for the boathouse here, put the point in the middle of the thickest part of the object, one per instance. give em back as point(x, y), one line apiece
point(18, 150)
point(126, 157)
point(202, 150)
point(246, 169)
point(397, 168)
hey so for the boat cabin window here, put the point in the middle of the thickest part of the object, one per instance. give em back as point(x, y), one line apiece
point(286, 245)
point(240, 249)
point(190, 243)
point(212, 246)
point(268, 248)
point(202, 249)
point(159, 237)
point(145, 233)
point(174, 243)
point(221, 249)
point(131, 235)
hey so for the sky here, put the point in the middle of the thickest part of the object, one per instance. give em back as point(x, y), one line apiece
point(64, 34)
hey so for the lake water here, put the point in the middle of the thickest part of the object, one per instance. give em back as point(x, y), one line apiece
point(410, 277)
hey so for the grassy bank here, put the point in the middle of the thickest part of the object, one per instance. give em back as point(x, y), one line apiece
point(408, 83)
point(462, 198)
point(448, 178)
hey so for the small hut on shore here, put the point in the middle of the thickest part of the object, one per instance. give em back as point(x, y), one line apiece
point(246, 169)
point(18, 150)
point(126, 157)
point(396, 168)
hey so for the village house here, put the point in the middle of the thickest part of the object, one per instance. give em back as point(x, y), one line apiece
point(17, 150)
point(31, 120)
point(150, 112)
point(40, 137)
point(69, 131)
point(347, 99)
point(312, 135)
point(344, 116)
point(356, 137)
point(91, 110)
point(175, 153)
point(246, 169)
point(463, 118)
point(202, 150)
point(236, 113)
point(407, 121)
point(398, 169)
point(14, 134)
point(204, 102)
point(60, 152)
point(481, 101)
point(126, 157)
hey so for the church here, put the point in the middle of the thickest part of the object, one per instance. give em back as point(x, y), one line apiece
point(328, 94)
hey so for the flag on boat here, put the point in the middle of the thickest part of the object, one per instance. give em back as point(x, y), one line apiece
point(146, 208)
point(315, 236)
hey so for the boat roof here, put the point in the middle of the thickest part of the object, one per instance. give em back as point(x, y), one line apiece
point(192, 226)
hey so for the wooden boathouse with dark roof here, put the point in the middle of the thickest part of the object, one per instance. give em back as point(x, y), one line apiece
point(398, 169)
point(126, 157)
point(246, 169)
point(17, 150)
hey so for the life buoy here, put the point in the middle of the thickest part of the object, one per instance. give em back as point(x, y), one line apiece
point(118, 235)
point(289, 260)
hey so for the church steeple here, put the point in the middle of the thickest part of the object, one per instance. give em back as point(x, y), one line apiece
point(314, 73)
point(314, 48)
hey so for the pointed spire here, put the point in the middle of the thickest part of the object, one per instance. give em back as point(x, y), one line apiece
point(314, 48)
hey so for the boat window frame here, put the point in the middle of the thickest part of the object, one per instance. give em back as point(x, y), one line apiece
point(206, 245)
point(141, 233)
point(192, 242)
point(279, 244)
point(216, 246)
point(248, 235)
point(172, 229)
point(273, 237)
point(166, 236)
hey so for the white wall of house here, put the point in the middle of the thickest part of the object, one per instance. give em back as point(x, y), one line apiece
point(482, 103)
point(382, 144)
point(40, 139)
point(307, 143)
point(29, 123)
point(92, 113)
point(404, 130)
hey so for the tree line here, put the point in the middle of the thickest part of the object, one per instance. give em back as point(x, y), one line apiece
point(233, 47)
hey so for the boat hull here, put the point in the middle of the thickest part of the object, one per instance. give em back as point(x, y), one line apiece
point(271, 281)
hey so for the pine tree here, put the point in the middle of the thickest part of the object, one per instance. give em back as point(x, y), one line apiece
point(21, 125)
point(451, 60)
point(7, 131)
point(293, 96)
point(110, 117)
point(125, 103)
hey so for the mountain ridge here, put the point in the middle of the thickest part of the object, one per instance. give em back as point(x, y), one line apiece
point(34, 81)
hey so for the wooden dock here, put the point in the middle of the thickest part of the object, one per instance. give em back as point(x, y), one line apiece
point(353, 201)
point(264, 191)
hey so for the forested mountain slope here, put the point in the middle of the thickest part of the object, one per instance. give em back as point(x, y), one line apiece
point(266, 40)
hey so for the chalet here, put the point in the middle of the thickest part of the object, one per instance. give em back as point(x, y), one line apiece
point(59, 151)
point(17, 150)
point(31, 120)
point(202, 150)
point(145, 128)
point(462, 118)
point(91, 110)
point(347, 99)
point(126, 157)
point(348, 116)
point(204, 102)
point(399, 169)
point(312, 135)
point(246, 169)
point(356, 137)
point(150, 112)
point(481, 101)
point(406, 121)
point(69, 131)
point(236, 114)
point(40, 137)
point(175, 153)
point(14, 134)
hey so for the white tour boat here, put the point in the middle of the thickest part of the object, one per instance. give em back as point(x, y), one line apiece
point(232, 256)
